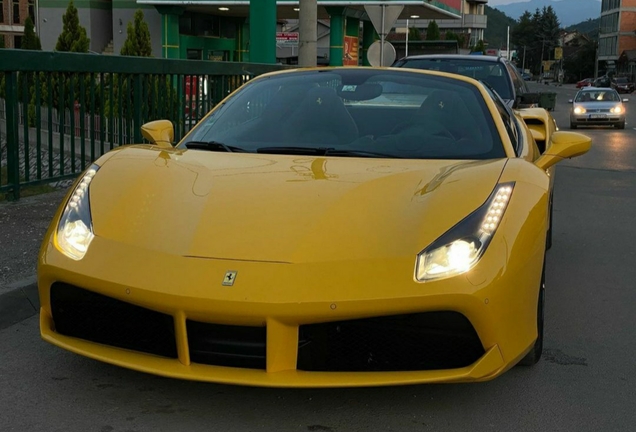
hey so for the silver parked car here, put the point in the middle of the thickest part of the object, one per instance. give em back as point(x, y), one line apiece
point(597, 106)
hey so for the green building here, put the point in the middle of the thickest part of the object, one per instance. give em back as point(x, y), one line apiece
point(223, 30)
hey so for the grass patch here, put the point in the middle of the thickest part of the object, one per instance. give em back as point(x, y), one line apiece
point(25, 191)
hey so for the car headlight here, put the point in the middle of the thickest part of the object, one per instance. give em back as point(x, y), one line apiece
point(75, 230)
point(461, 247)
point(617, 110)
point(579, 110)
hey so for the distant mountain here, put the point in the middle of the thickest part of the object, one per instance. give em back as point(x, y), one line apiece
point(569, 11)
point(495, 34)
point(589, 27)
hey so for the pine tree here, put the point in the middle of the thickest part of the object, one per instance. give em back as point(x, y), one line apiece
point(30, 40)
point(432, 31)
point(480, 47)
point(415, 33)
point(138, 38)
point(73, 37)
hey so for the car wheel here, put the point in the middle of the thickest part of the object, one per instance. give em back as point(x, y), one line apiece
point(572, 125)
point(535, 353)
point(620, 125)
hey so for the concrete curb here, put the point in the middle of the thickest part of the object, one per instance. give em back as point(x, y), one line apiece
point(19, 302)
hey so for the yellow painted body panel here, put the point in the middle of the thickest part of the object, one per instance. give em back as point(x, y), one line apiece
point(311, 286)
point(313, 240)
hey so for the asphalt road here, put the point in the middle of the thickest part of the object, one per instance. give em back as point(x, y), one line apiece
point(585, 382)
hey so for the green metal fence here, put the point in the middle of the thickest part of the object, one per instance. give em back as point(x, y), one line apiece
point(61, 111)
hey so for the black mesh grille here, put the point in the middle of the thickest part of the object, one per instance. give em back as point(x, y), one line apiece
point(97, 318)
point(425, 341)
point(227, 345)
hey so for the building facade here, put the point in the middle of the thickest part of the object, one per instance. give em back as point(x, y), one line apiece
point(616, 32)
point(220, 30)
point(13, 13)
point(472, 22)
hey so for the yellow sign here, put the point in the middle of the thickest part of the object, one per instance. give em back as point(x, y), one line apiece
point(558, 53)
point(547, 64)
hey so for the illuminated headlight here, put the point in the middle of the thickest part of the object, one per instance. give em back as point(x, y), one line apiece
point(460, 248)
point(75, 230)
point(579, 110)
point(617, 110)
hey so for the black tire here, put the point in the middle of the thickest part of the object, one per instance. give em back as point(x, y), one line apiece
point(534, 355)
point(573, 125)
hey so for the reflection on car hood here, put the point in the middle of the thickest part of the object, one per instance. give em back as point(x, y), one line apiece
point(283, 208)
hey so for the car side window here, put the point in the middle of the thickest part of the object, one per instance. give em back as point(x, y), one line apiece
point(509, 121)
point(517, 81)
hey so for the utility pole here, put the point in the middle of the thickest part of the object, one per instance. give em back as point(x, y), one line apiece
point(508, 44)
point(308, 23)
point(523, 67)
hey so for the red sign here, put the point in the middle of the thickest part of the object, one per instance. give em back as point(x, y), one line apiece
point(350, 55)
point(287, 38)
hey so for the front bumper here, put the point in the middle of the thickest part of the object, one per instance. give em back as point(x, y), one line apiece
point(596, 119)
point(282, 299)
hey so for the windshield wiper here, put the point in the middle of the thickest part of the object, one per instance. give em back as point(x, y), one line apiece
point(322, 151)
point(361, 153)
point(212, 146)
point(294, 150)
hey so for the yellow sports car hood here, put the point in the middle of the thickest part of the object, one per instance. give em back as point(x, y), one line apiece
point(282, 208)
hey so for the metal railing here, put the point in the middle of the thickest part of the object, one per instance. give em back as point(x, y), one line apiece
point(61, 111)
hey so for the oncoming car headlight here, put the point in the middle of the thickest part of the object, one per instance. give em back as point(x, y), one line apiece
point(617, 110)
point(75, 230)
point(579, 110)
point(461, 247)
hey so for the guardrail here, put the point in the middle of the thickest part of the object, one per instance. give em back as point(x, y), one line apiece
point(61, 111)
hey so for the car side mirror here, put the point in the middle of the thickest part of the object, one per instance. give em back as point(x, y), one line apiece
point(159, 132)
point(625, 100)
point(570, 101)
point(564, 145)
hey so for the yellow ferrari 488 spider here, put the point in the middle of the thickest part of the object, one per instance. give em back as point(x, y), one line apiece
point(318, 228)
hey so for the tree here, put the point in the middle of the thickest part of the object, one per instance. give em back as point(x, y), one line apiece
point(581, 64)
point(432, 31)
point(415, 33)
point(138, 38)
point(480, 47)
point(459, 37)
point(30, 40)
point(537, 34)
point(73, 37)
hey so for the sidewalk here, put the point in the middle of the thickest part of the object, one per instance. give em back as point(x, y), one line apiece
point(22, 227)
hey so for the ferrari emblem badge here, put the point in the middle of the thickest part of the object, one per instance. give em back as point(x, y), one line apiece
point(319, 101)
point(229, 278)
point(441, 105)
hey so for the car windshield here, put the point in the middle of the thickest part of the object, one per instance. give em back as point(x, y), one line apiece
point(597, 96)
point(492, 73)
point(621, 80)
point(353, 112)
